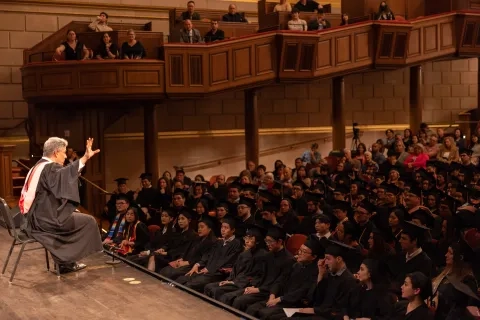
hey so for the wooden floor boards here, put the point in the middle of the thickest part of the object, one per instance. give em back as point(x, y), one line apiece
point(98, 292)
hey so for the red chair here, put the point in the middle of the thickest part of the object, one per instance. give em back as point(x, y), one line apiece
point(295, 242)
point(152, 229)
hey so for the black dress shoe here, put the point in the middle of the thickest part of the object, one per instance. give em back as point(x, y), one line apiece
point(72, 267)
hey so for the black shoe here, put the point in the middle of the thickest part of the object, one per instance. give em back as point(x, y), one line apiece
point(71, 267)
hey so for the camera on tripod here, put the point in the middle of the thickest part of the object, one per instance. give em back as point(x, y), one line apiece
point(356, 131)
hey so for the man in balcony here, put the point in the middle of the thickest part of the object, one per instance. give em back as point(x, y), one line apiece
point(320, 22)
point(190, 14)
point(188, 34)
point(308, 6)
point(233, 15)
point(49, 199)
point(100, 23)
point(214, 34)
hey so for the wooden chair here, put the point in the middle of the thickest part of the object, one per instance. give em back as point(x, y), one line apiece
point(19, 238)
point(152, 229)
point(295, 242)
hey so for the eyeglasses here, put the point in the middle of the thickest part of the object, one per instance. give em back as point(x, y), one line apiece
point(270, 241)
point(120, 203)
point(303, 251)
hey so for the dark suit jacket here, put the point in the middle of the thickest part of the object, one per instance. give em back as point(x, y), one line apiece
point(313, 25)
point(196, 36)
point(186, 15)
point(210, 37)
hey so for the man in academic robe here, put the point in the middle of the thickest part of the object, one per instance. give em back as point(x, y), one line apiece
point(49, 199)
point(277, 265)
point(212, 267)
point(295, 288)
point(147, 198)
point(299, 203)
point(244, 216)
point(110, 209)
point(115, 231)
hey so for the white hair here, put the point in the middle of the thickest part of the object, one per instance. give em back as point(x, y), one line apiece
point(52, 145)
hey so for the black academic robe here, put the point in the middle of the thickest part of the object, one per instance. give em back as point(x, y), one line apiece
point(242, 226)
point(289, 222)
point(363, 233)
point(276, 268)
point(421, 263)
point(141, 233)
point(420, 313)
point(112, 209)
point(371, 304)
point(176, 245)
point(148, 198)
point(211, 37)
point(52, 220)
point(161, 238)
point(221, 256)
point(452, 304)
point(331, 294)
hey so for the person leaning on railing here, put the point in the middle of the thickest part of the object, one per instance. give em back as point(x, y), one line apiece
point(72, 48)
point(107, 49)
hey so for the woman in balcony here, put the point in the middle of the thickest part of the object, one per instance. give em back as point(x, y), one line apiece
point(296, 23)
point(107, 49)
point(72, 48)
point(132, 49)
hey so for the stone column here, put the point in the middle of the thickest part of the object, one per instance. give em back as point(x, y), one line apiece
point(416, 97)
point(150, 140)
point(6, 182)
point(338, 113)
point(251, 127)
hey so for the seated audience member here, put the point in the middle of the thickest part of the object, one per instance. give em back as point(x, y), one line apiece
point(135, 235)
point(384, 12)
point(190, 14)
point(245, 271)
point(188, 34)
point(146, 198)
point(294, 288)
point(296, 23)
point(122, 203)
point(214, 34)
point(110, 209)
point(319, 23)
point(334, 284)
point(100, 24)
point(284, 5)
point(416, 288)
point(107, 49)
point(344, 19)
point(370, 299)
point(213, 267)
point(307, 6)
point(132, 49)
point(73, 49)
point(233, 15)
point(198, 248)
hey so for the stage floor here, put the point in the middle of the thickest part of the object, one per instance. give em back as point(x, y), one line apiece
point(97, 292)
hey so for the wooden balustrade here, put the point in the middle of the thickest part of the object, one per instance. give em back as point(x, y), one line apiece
point(194, 70)
point(231, 29)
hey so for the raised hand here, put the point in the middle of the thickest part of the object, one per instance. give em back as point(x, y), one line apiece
point(88, 150)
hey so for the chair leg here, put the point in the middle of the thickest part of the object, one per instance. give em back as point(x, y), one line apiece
point(48, 260)
point(57, 270)
point(17, 261)
point(8, 257)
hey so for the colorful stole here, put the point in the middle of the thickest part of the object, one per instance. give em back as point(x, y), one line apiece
point(111, 232)
point(131, 235)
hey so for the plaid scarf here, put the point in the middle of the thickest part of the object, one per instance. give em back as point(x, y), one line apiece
point(111, 232)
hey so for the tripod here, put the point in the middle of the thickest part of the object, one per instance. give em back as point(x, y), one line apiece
point(355, 142)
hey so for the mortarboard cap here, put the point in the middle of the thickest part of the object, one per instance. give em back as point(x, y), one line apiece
point(393, 189)
point(267, 195)
point(415, 231)
point(300, 184)
point(341, 189)
point(235, 185)
point(314, 196)
point(250, 187)
point(221, 204)
point(337, 249)
point(416, 191)
point(122, 196)
point(170, 212)
point(466, 151)
point(247, 201)
point(147, 176)
point(365, 206)
point(209, 221)
point(341, 205)
point(187, 213)
point(256, 231)
point(121, 180)
point(182, 192)
point(276, 232)
point(323, 218)
point(455, 166)
point(315, 246)
point(474, 194)
point(424, 217)
point(270, 207)
point(230, 221)
point(463, 292)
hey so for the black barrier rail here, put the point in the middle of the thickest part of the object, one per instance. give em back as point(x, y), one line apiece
point(214, 302)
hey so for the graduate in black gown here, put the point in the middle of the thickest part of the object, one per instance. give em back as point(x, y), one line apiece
point(415, 290)
point(244, 216)
point(122, 189)
point(295, 288)
point(147, 198)
point(245, 270)
point(370, 298)
point(197, 248)
point(211, 268)
point(51, 215)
